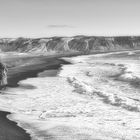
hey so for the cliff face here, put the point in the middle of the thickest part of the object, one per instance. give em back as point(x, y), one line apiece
point(83, 44)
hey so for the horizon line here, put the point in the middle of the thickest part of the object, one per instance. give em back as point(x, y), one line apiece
point(51, 36)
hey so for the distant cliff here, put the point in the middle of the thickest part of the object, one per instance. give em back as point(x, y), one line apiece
point(83, 44)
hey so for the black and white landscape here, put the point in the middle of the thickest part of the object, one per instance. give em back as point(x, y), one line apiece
point(69, 70)
point(86, 92)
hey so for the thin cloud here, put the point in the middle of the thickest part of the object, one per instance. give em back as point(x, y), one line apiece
point(60, 26)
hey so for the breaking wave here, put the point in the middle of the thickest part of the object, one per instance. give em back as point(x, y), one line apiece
point(113, 99)
point(105, 80)
point(130, 75)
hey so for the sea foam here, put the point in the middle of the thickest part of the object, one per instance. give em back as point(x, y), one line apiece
point(83, 102)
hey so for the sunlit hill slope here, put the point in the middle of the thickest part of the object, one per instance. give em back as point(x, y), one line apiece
point(83, 44)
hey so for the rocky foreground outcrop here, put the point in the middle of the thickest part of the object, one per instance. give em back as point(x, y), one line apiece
point(83, 44)
point(3, 75)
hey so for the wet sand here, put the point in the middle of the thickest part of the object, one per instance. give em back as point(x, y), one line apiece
point(9, 129)
point(17, 74)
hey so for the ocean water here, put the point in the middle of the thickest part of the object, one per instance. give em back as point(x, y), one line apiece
point(96, 97)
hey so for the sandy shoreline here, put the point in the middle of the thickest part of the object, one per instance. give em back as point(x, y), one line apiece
point(9, 130)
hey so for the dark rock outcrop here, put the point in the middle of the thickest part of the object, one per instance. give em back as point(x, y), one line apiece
point(3, 75)
point(83, 44)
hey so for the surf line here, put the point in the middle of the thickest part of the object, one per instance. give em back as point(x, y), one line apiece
point(11, 131)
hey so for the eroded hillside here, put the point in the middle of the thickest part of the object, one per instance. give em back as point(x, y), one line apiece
point(83, 44)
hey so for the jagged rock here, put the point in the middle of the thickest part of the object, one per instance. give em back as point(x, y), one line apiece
point(3, 75)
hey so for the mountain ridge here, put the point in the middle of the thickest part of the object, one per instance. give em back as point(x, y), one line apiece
point(83, 44)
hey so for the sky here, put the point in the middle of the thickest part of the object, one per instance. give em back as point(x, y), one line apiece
point(43, 18)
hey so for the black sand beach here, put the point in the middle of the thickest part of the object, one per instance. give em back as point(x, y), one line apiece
point(17, 74)
point(9, 129)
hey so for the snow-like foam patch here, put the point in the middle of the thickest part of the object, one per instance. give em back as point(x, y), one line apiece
point(131, 53)
point(128, 77)
point(130, 73)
